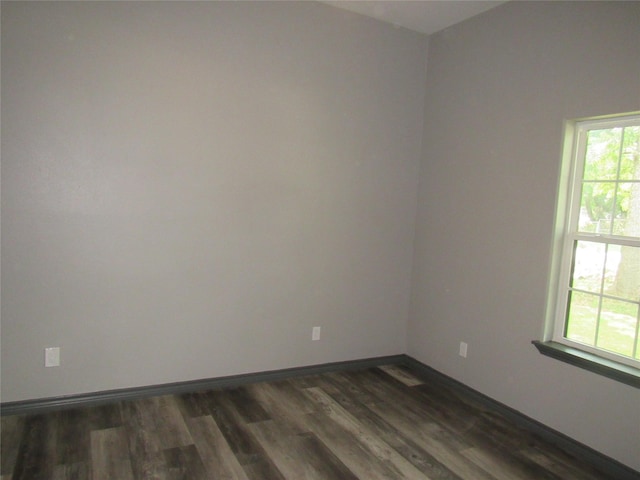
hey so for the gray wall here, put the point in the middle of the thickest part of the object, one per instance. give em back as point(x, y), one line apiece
point(499, 87)
point(187, 188)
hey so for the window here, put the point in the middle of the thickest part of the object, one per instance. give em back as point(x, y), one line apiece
point(596, 306)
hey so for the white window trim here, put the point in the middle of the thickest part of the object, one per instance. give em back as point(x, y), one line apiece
point(566, 231)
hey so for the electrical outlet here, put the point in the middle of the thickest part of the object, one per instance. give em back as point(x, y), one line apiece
point(463, 349)
point(315, 333)
point(52, 357)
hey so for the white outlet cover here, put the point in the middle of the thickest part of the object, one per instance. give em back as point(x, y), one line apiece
point(52, 357)
point(315, 333)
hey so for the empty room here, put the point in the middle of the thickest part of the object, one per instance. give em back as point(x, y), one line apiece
point(320, 240)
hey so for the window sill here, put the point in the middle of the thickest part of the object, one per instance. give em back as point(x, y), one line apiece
point(588, 361)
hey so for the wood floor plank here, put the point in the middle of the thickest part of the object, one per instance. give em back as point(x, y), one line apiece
point(153, 425)
point(291, 392)
point(248, 408)
point(144, 445)
point(418, 430)
point(169, 423)
point(401, 374)
point(284, 405)
point(323, 460)
point(193, 404)
point(104, 416)
point(73, 471)
point(480, 427)
point(288, 410)
point(487, 430)
point(243, 444)
point(307, 380)
point(512, 437)
point(496, 431)
point(420, 458)
point(184, 463)
point(446, 426)
point(36, 457)
point(216, 455)
point(344, 386)
point(261, 470)
point(448, 403)
point(450, 415)
point(560, 464)
point(346, 447)
point(110, 457)
point(299, 456)
point(11, 431)
point(351, 424)
point(73, 443)
point(503, 466)
point(357, 457)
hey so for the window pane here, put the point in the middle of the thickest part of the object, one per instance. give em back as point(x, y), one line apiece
point(630, 166)
point(588, 266)
point(603, 150)
point(582, 317)
point(626, 215)
point(598, 205)
point(611, 270)
point(628, 209)
point(632, 224)
point(623, 272)
point(617, 326)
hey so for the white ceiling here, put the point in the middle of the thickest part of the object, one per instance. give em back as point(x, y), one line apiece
point(425, 16)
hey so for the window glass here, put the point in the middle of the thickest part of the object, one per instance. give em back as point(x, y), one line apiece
point(601, 289)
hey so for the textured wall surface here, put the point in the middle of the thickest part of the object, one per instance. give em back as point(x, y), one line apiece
point(189, 187)
point(499, 88)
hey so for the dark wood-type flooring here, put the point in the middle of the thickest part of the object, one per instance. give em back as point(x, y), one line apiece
point(377, 423)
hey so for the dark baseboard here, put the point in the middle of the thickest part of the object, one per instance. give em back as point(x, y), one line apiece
point(42, 405)
point(602, 462)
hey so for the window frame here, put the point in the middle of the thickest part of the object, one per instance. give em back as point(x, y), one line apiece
point(566, 233)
